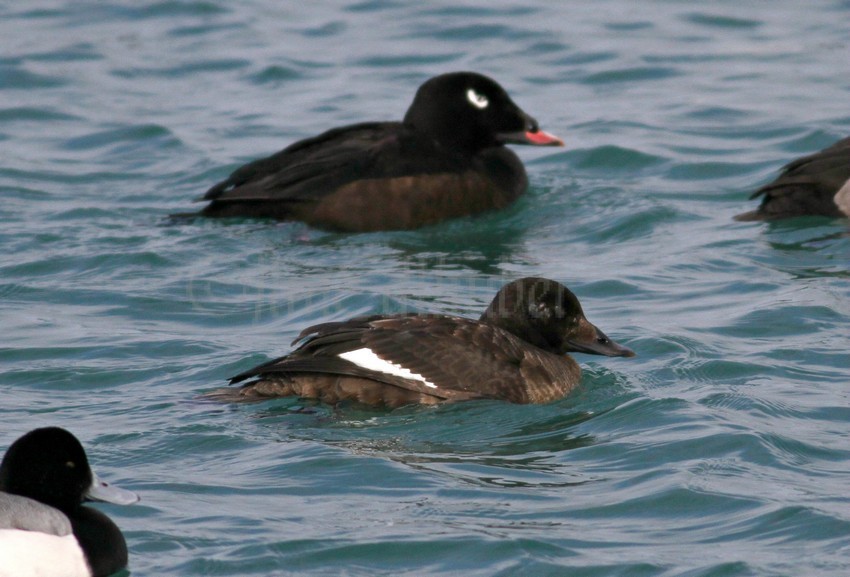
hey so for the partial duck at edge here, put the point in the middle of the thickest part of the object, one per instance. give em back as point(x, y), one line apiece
point(44, 528)
point(814, 185)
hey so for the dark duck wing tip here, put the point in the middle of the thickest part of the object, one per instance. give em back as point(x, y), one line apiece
point(814, 185)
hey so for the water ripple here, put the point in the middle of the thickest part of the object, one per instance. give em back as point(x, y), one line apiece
point(720, 450)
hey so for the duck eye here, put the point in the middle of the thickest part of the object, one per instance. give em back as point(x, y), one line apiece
point(539, 311)
point(477, 100)
point(70, 464)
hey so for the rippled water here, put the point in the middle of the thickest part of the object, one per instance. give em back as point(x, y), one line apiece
point(721, 450)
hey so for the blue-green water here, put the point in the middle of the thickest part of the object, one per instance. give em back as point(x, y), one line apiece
point(723, 449)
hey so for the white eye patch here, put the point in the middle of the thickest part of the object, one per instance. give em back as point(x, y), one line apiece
point(368, 360)
point(477, 100)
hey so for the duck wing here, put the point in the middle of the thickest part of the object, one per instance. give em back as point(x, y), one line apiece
point(449, 357)
point(806, 185)
point(301, 170)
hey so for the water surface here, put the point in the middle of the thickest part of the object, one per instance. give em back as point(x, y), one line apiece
point(721, 450)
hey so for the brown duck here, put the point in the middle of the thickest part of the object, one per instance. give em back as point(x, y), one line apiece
point(517, 351)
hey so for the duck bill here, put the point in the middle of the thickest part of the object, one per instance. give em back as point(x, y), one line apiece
point(530, 133)
point(589, 339)
point(533, 137)
point(103, 491)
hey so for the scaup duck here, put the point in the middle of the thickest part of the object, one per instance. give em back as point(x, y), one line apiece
point(45, 530)
point(446, 159)
point(818, 184)
point(516, 352)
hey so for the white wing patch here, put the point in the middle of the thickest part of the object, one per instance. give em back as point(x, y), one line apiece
point(842, 198)
point(368, 360)
point(477, 100)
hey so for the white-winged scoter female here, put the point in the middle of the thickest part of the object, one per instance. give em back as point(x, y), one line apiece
point(516, 352)
point(446, 159)
point(814, 185)
point(45, 530)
